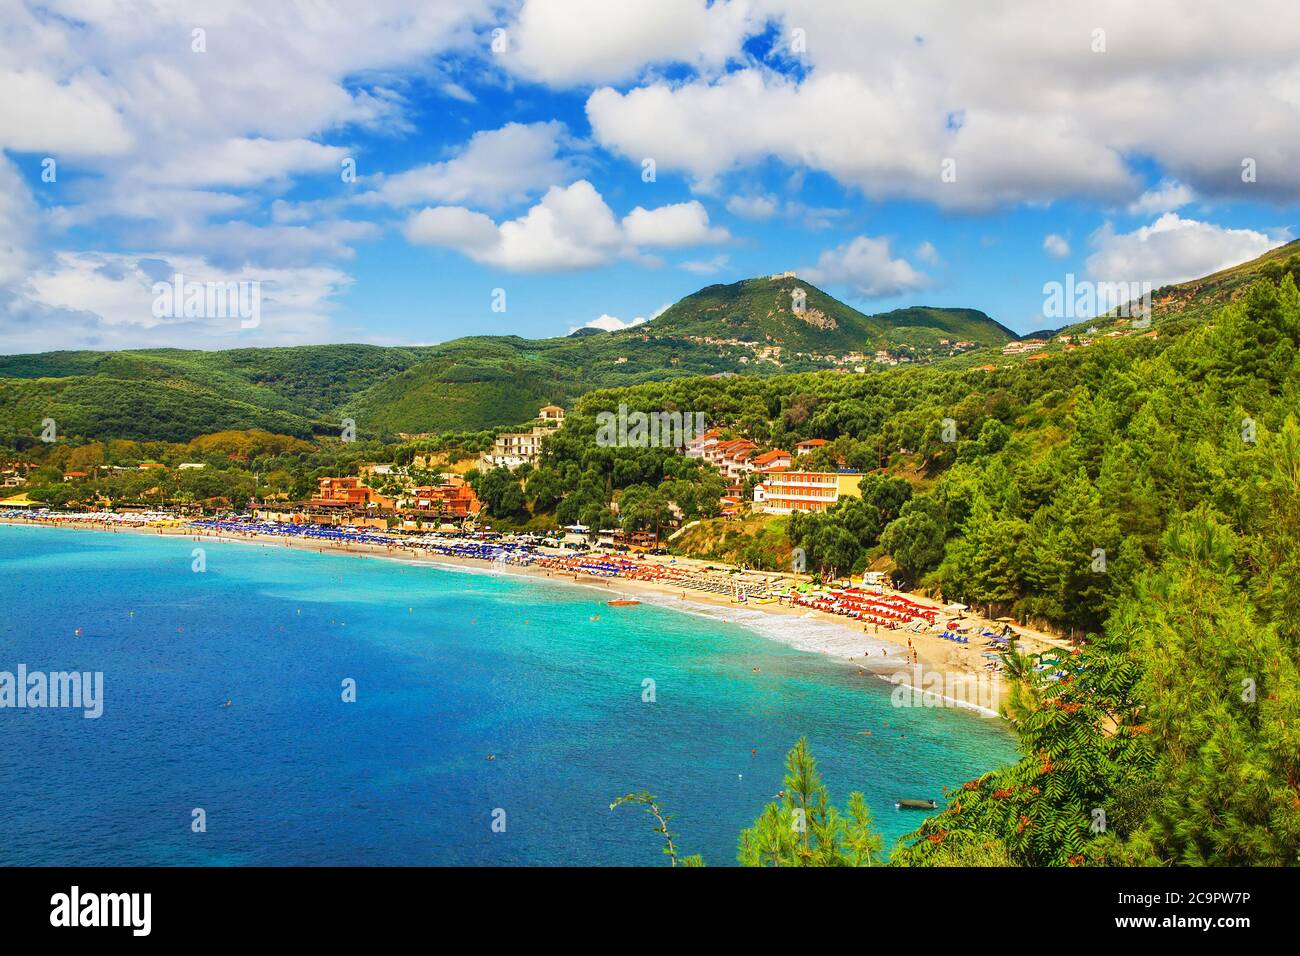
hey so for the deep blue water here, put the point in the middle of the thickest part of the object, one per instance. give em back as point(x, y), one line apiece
point(449, 667)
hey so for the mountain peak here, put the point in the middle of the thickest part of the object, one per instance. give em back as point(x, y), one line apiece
point(785, 310)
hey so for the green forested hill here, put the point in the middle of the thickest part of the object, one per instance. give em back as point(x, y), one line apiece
point(762, 310)
point(1198, 299)
point(465, 384)
point(175, 394)
point(1142, 494)
point(749, 328)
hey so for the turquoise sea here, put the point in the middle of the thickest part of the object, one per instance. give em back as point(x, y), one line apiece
point(450, 667)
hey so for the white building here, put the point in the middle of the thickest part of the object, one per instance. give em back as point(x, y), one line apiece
point(512, 449)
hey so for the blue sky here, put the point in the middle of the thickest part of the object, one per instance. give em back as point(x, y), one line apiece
point(934, 155)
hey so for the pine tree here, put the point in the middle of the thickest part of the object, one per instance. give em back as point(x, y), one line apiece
point(803, 829)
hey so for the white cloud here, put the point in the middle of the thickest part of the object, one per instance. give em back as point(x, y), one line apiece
point(1056, 246)
point(454, 227)
point(103, 300)
point(572, 42)
point(570, 228)
point(458, 92)
point(753, 207)
point(611, 323)
point(927, 253)
point(1166, 197)
point(1172, 249)
point(864, 265)
point(707, 267)
point(888, 141)
point(765, 206)
point(148, 132)
point(243, 162)
point(17, 222)
point(496, 168)
point(679, 224)
point(1027, 110)
point(70, 118)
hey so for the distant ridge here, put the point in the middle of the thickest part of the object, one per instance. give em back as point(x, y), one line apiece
point(763, 326)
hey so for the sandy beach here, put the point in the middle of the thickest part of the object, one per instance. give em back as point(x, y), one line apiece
point(945, 673)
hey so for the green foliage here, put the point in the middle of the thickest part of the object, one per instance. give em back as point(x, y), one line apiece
point(1174, 737)
point(804, 829)
point(501, 493)
point(1223, 698)
point(837, 541)
point(651, 806)
point(1080, 741)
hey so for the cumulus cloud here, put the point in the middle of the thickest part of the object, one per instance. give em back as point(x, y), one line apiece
point(1166, 197)
point(866, 267)
point(886, 141)
point(568, 42)
point(1056, 246)
point(1172, 249)
point(753, 207)
point(679, 224)
point(707, 267)
point(612, 323)
point(169, 147)
point(103, 300)
point(927, 253)
point(570, 228)
point(242, 162)
point(1024, 107)
point(75, 117)
point(17, 222)
point(495, 168)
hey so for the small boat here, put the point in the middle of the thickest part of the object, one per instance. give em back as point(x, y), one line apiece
point(622, 602)
point(915, 804)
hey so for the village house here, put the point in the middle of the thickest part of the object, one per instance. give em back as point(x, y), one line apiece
point(812, 444)
point(343, 493)
point(512, 449)
point(771, 460)
point(695, 447)
point(737, 462)
point(728, 457)
point(1019, 348)
point(454, 498)
point(784, 492)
